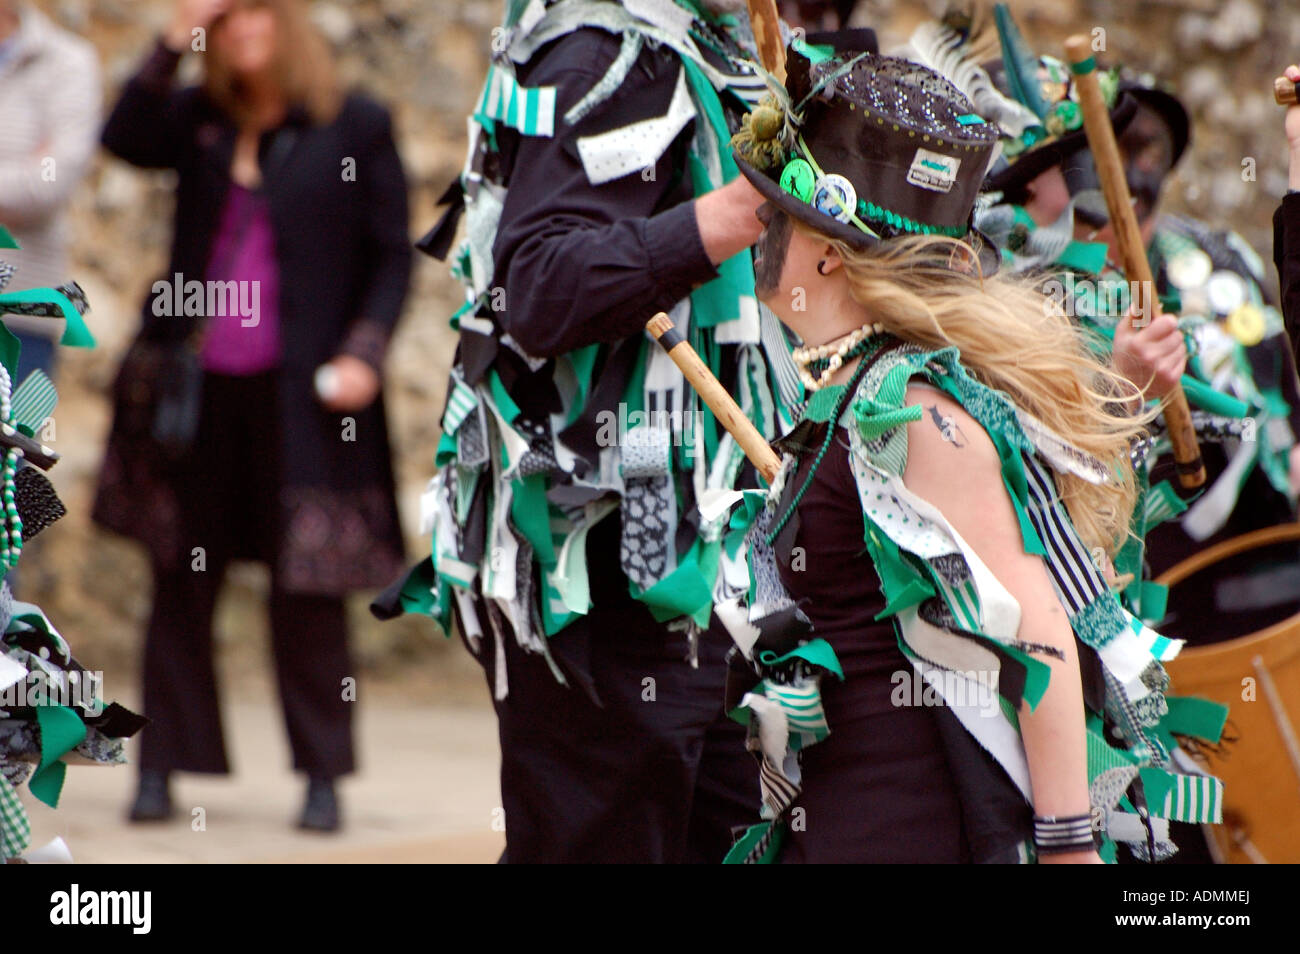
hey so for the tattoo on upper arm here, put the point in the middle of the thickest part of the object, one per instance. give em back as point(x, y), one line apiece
point(947, 427)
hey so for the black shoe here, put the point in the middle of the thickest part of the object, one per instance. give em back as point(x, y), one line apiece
point(320, 812)
point(153, 800)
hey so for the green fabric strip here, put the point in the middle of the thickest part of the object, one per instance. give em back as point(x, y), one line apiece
point(817, 652)
point(1087, 257)
point(75, 332)
point(1215, 402)
point(900, 581)
point(688, 590)
point(1084, 68)
point(740, 851)
point(530, 514)
point(61, 731)
point(7, 239)
point(1199, 718)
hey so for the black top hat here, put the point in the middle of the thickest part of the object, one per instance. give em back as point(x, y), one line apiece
point(1170, 109)
point(871, 148)
point(1060, 135)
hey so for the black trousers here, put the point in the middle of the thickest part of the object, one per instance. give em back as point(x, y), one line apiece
point(652, 772)
point(231, 490)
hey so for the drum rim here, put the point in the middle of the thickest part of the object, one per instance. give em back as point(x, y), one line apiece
point(1281, 533)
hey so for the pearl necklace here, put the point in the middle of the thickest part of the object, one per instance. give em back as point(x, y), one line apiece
point(833, 353)
point(11, 525)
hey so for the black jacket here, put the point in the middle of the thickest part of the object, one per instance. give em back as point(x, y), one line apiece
point(1286, 255)
point(338, 207)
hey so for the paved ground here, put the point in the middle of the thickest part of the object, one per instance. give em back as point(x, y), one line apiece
point(426, 792)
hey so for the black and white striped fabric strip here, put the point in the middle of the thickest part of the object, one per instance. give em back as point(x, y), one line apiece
point(1074, 573)
point(778, 791)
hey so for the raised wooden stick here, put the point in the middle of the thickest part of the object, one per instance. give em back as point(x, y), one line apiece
point(766, 23)
point(1114, 185)
point(722, 404)
point(1286, 92)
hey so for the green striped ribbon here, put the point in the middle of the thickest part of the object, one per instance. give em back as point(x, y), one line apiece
point(34, 400)
point(531, 110)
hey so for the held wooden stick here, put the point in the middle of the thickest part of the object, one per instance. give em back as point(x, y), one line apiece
point(1285, 92)
point(1114, 184)
point(767, 35)
point(709, 388)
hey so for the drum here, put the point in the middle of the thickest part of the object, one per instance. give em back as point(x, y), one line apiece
point(1257, 675)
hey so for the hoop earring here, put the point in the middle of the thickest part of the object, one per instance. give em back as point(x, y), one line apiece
point(820, 266)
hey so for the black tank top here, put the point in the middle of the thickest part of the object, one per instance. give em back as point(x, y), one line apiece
point(878, 789)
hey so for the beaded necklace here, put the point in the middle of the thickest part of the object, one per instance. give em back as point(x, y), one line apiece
point(825, 360)
point(11, 536)
point(870, 348)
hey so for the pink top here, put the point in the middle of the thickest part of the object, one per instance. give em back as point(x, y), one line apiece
point(242, 291)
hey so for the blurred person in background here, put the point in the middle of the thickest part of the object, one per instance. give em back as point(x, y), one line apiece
point(258, 431)
point(49, 113)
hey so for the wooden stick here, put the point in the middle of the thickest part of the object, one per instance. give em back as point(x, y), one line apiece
point(722, 404)
point(1285, 92)
point(1114, 184)
point(767, 35)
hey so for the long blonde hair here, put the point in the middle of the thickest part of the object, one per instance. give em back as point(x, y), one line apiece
point(1016, 340)
point(304, 66)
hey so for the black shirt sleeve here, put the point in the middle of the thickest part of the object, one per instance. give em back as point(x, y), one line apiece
point(583, 264)
point(146, 125)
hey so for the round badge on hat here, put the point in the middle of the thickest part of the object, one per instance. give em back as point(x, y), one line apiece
point(1246, 324)
point(798, 179)
point(1189, 269)
point(835, 196)
point(1227, 292)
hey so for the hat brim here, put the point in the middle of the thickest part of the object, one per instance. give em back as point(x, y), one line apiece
point(1172, 111)
point(802, 211)
point(989, 256)
point(1039, 160)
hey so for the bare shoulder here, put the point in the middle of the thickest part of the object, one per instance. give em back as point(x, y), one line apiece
point(946, 434)
point(952, 463)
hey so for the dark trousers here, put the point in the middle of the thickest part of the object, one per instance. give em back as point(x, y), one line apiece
point(231, 502)
point(655, 772)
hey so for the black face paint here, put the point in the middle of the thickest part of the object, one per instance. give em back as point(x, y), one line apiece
point(771, 249)
point(1148, 150)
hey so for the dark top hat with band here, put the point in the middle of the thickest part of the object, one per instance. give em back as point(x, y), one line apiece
point(868, 148)
point(1045, 86)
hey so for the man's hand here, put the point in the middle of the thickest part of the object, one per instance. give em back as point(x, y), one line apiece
point(352, 386)
point(727, 219)
point(191, 15)
point(1293, 130)
point(1152, 357)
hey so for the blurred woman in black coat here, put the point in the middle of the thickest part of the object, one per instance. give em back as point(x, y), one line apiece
point(289, 265)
